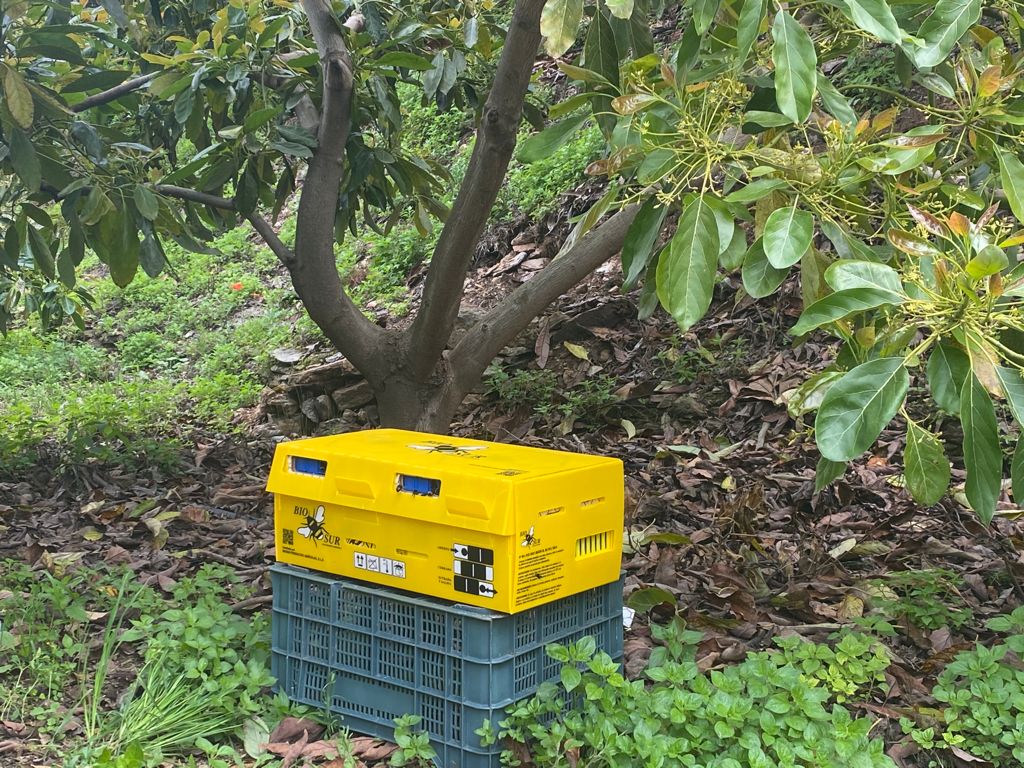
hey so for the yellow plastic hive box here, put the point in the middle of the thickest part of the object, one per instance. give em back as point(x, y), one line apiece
point(500, 526)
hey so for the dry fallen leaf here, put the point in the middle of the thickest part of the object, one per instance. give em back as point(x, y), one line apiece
point(291, 728)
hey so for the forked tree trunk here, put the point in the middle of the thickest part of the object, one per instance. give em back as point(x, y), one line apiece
point(419, 377)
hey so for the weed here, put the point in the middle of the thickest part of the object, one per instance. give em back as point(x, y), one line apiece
point(203, 668)
point(715, 358)
point(760, 713)
point(413, 746)
point(927, 599)
point(983, 693)
point(542, 392)
point(180, 344)
point(849, 670)
point(45, 633)
point(536, 389)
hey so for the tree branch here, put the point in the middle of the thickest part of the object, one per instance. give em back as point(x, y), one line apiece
point(314, 271)
point(112, 94)
point(283, 252)
point(195, 196)
point(261, 225)
point(495, 142)
point(493, 331)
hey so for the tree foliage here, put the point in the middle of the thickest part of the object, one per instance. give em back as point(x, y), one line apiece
point(917, 209)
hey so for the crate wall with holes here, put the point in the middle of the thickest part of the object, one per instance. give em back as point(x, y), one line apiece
point(499, 526)
point(372, 654)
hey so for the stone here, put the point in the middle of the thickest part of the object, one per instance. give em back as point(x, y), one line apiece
point(353, 396)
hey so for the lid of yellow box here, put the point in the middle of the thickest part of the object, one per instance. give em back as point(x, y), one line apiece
point(413, 450)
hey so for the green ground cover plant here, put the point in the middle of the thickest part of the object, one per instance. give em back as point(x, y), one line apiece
point(927, 599)
point(197, 341)
point(199, 670)
point(763, 712)
point(980, 700)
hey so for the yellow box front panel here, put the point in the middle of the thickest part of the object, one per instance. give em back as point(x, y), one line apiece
point(500, 526)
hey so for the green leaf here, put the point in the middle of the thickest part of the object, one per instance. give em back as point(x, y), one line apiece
point(288, 148)
point(97, 205)
point(732, 257)
point(1011, 177)
point(559, 23)
point(926, 466)
point(1017, 472)
point(766, 119)
point(983, 458)
point(857, 408)
point(760, 278)
point(747, 28)
point(755, 190)
point(542, 145)
point(260, 118)
point(835, 103)
point(1013, 388)
point(25, 160)
point(942, 30)
point(41, 254)
point(845, 274)
point(643, 600)
point(403, 60)
point(841, 304)
point(640, 240)
point(571, 677)
point(66, 268)
point(601, 55)
point(827, 472)
point(620, 9)
point(687, 265)
point(875, 17)
point(146, 202)
point(787, 236)
point(947, 371)
point(704, 12)
point(151, 255)
point(656, 165)
point(991, 260)
point(18, 98)
point(795, 67)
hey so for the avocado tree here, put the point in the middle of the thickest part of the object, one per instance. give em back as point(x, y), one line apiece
point(97, 99)
point(733, 138)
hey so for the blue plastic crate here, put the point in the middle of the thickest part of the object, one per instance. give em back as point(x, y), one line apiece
point(372, 654)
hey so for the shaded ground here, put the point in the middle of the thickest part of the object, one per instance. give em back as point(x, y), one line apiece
point(722, 513)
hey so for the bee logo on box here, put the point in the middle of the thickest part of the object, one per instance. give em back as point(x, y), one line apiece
point(315, 531)
point(530, 539)
point(451, 450)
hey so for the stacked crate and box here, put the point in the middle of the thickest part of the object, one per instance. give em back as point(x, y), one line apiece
point(453, 564)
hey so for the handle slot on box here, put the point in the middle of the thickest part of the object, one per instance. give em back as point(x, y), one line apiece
point(417, 486)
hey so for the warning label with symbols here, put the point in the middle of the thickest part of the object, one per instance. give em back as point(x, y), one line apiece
point(541, 571)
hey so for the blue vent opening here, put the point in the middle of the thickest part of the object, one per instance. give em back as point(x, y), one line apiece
point(418, 486)
point(305, 466)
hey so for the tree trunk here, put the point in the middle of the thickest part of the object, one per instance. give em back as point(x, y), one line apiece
point(422, 406)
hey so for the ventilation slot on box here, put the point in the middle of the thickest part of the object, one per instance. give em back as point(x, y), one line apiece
point(304, 466)
point(418, 486)
point(592, 545)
